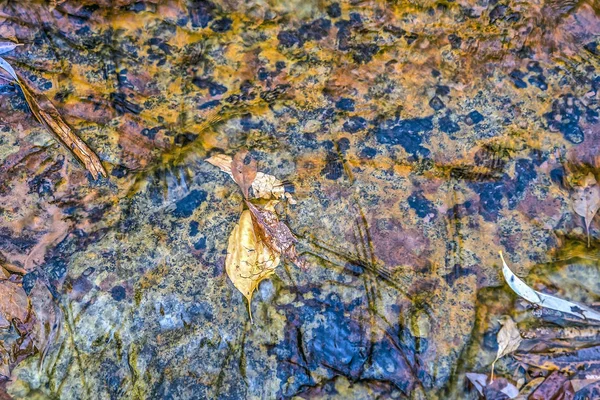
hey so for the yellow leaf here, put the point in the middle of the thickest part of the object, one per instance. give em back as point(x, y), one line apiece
point(249, 260)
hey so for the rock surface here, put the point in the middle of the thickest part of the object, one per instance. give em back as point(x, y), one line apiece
point(418, 140)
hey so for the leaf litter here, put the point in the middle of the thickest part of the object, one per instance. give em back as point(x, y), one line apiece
point(546, 300)
point(259, 240)
point(47, 114)
point(553, 364)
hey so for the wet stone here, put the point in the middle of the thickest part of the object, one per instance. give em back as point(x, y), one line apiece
point(417, 142)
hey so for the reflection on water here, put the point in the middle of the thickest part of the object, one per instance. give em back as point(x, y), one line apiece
point(419, 139)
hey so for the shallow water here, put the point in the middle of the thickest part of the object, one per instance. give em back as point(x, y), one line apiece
point(419, 139)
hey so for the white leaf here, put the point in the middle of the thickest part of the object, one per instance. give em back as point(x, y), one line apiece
point(510, 390)
point(6, 66)
point(478, 380)
point(546, 300)
point(5, 47)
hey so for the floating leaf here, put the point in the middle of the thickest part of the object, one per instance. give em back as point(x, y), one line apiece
point(586, 201)
point(509, 339)
point(264, 186)
point(249, 260)
point(14, 303)
point(221, 161)
point(243, 171)
point(260, 238)
point(48, 115)
point(546, 300)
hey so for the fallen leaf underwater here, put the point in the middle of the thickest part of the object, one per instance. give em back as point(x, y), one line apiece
point(259, 239)
point(207, 199)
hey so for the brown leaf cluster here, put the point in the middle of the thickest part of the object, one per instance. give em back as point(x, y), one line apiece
point(260, 239)
point(553, 364)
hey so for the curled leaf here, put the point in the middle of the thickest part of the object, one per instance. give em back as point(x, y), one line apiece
point(249, 260)
point(586, 201)
point(45, 112)
point(509, 339)
point(546, 300)
point(243, 171)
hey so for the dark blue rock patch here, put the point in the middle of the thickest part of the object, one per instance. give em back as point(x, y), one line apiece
point(421, 205)
point(185, 207)
point(406, 133)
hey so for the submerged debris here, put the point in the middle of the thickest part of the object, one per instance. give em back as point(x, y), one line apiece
point(546, 300)
point(259, 239)
point(45, 112)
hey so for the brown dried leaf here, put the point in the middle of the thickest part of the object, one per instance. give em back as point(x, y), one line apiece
point(529, 388)
point(566, 360)
point(264, 186)
point(45, 112)
point(14, 303)
point(509, 339)
point(586, 201)
point(274, 233)
point(243, 171)
point(249, 260)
